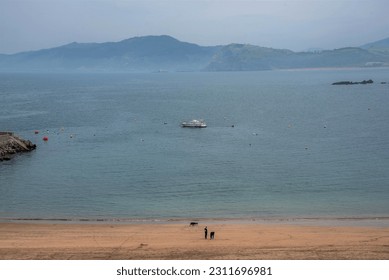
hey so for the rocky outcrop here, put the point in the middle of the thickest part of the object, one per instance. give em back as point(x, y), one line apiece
point(364, 82)
point(11, 144)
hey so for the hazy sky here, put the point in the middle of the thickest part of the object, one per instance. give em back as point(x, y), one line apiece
point(292, 24)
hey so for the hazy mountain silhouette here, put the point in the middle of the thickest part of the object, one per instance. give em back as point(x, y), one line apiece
point(165, 53)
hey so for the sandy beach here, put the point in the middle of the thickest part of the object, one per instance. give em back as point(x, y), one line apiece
point(64, 241)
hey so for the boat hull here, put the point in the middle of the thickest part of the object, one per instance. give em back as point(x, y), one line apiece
point(194, 126)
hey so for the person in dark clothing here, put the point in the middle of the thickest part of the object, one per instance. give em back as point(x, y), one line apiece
point(206, 232)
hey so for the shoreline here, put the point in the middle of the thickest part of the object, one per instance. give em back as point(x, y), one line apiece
point(71, 241)
point(359, 221)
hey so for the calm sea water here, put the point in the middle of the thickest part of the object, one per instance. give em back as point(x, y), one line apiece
point(300, 147)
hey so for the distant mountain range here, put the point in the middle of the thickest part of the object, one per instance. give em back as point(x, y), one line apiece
point(165, 53)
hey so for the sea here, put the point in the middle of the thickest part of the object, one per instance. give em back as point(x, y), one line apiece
point(279, 145)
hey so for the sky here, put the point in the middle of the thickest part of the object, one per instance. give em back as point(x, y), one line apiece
point(286, 24)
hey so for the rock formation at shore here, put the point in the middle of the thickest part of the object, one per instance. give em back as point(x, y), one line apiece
point(11, 144)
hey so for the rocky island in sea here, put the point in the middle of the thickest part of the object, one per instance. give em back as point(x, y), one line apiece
point(364, 82)
point(10, 144)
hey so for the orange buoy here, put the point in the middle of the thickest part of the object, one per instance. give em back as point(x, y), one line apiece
point(45, 138)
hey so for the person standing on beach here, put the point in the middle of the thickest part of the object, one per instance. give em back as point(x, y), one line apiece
point(206, 232)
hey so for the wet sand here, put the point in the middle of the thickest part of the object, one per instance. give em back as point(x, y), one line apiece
point(180, 241)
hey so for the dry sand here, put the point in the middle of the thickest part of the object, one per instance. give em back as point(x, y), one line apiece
point(180, 241)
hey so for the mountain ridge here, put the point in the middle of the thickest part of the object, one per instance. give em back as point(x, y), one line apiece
point(384, 43)
point(163, 52)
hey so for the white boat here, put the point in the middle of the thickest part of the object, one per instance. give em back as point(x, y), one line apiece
point(194, 124)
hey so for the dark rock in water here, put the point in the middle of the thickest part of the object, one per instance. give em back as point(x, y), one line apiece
point(364, 82)
point(11, 144)
point(342, 83)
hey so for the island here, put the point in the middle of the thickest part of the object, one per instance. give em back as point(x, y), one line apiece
point(364, 82)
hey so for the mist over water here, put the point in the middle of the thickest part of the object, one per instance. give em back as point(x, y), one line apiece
point(278, 144)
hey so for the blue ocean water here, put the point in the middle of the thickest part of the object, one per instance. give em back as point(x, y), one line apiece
point(278, 144)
